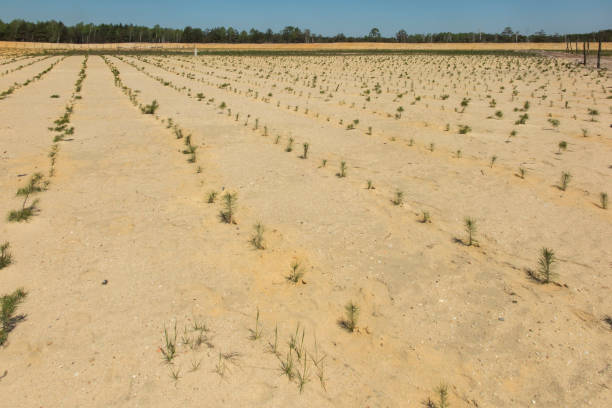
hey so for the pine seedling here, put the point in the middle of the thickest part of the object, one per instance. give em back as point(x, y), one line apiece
point(289, 147)
point(229, 208)
point(493, 160)
point(5, 256)
point(352, 315)
point(426, 217)
point(442, 392)
point(342, 172)
point(370, 186)
point(470, 228)
point(34, 186)
point(521, 172)
point(296, 273)
point(603, 200)
point(554, 122)
point(464, 129)
point(562, 146)
point(212, 196)
point(593, 113)
point(546, 261)
point(305, 154)
point(399, 198)
point(565, 179)
point(8, 307)
point(257, 239)
point(150, 109)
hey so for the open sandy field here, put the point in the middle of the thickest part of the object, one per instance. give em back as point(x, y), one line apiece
point(364, 288)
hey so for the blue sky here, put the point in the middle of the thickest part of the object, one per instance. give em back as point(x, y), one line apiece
point(329, 17)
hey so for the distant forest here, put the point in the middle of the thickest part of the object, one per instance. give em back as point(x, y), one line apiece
point(58, 32)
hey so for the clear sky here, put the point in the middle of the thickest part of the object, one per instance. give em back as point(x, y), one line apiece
point(328, 17)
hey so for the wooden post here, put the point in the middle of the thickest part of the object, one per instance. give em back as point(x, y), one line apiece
point(584, 53)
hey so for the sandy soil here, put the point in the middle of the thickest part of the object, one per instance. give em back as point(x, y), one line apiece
point(125, 207)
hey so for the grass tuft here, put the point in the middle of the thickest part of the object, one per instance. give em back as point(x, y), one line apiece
point(169, 349)
point(256, 332)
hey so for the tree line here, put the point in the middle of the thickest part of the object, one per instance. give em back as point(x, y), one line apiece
point(81, 33)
